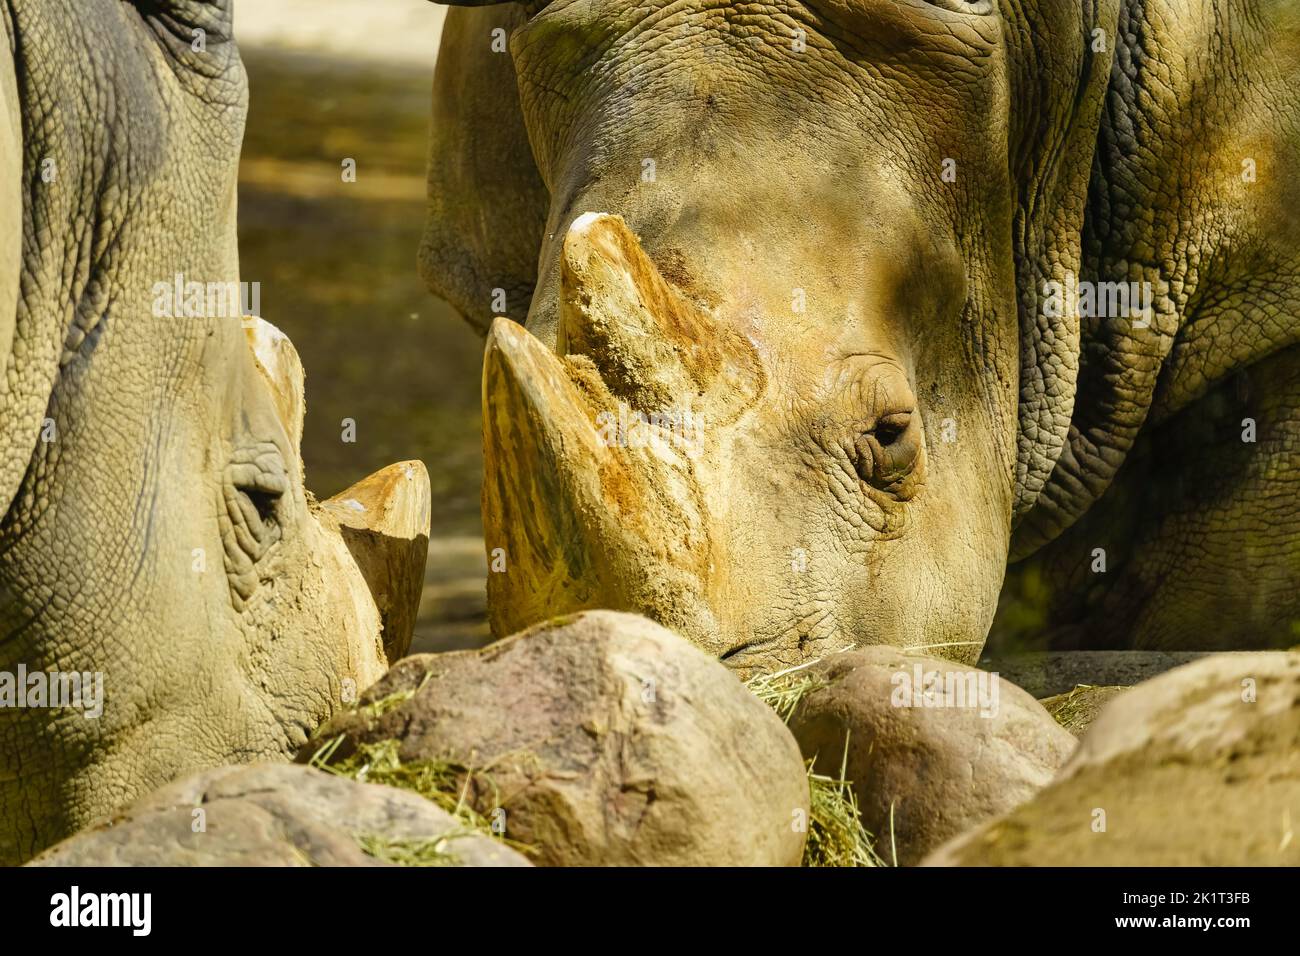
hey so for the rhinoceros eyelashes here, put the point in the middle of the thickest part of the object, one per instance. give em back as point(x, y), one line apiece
point(253, 492)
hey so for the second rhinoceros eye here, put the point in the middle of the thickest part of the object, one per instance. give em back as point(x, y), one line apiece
point(253, 490)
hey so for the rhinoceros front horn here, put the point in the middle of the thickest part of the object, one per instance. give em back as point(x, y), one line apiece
point(654, 348)
point(544, 466)
point(384, 521)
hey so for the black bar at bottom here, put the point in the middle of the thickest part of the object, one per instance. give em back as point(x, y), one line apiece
point(358, 908)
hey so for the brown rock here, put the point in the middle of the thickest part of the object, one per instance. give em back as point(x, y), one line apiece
point(925, 773)
point(278, 815)
point(605, 738)
point(1197, 767)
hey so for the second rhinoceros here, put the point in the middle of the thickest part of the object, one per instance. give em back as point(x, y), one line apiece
point(172, 598)
point(830, 308)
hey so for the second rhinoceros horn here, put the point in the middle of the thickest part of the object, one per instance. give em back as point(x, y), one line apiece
point(654, 348)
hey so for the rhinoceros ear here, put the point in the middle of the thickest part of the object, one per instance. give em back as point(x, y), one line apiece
point(1062, 58)
point(487, 202)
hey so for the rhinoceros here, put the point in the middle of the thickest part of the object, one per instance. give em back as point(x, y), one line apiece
point(171, 597)
point(805, 318)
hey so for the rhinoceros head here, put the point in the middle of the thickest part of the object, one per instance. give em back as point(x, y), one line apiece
point(785, 384)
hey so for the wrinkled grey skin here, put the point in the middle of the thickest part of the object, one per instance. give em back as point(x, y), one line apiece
point(155, 529)
point(1115, 164)
point(1201, 530)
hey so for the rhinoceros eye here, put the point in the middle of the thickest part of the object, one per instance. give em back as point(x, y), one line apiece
point(253, 491)
point(887, 453)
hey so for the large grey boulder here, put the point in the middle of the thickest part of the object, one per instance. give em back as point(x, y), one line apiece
point(596, 739)
point(925, 768)
point(1197, 767)
point(278, 815)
